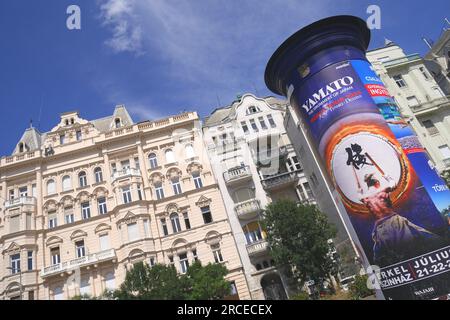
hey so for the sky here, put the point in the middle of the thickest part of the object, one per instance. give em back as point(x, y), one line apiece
point(163, 57)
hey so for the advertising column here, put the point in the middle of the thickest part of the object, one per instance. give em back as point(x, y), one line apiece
point(393, 197)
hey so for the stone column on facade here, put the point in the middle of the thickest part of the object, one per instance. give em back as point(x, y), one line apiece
point(107, 167)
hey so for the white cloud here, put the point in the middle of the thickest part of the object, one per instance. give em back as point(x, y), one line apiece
point(209, 48)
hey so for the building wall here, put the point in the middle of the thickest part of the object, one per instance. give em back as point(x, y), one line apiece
point(102, 267)
point(243, 143)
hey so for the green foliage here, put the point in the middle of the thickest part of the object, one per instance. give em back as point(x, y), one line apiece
point(298, 236)
point(207, 283)
point(446, 176)
point(162, 282)
point(302, 295)
point(358, 289)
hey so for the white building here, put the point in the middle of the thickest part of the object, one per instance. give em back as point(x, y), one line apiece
point(420, 98)
point(255, 164)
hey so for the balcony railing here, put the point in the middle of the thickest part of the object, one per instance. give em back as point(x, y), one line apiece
point(30, 201)
point(128, 172)
point(248, 209)
point(236, 174)
point(280, 180)
point(257, 248)
point(401, 60)
point(79, 262)
point(432, 104)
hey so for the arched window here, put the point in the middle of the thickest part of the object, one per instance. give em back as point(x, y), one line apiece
point(170, 157)
point(82, 179)
point(66, 183)
point(51, 187)
point(197, 180)
point(153, 160)
point(176, 185)
point(117, 123)
point(98, 175)
point(189, 151)
point(176, 226)
point(159, 190)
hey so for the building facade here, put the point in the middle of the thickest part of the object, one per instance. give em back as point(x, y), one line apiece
point(87, 200)
point(419, 96)
point(255, 163)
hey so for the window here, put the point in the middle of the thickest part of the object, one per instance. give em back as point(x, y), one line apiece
point(80, 249)
point(170, 157)
point(262, 123)
point(176, 226)
point(55, 256)
point(85, 287)
point(98, 175)
point(136, 164)
point(12, 194)
point(62, 139)
point(28, 221)
point(21, 147)
point(15, 263)
point(117, 123)
point(164, 227)
point(52, 220)
point(429, 125)
point(194, 254)
point(33, 190)
point(78, 135)
point(400, 81)
point(445, 151)
point(113, 168)
point(244, 127)
point(424, 73)
point(253, 232)
point(308, 190)
point(51, 187)
point(82, 179)
point(30, 260)
point(58, 293)
point(152, 262)
point(125, 165)
point(86, 210)
point(66, 183)
point(176, 186)
point(126, 195)
point(217, 253)
point(14, 223)
point(110, 281)
point(197, 180)
point(139, 191)
point(171, 260)
point(189, 151)
point(252, 109)
point(254, 126)
point(187, 223)
point(153, 160)
point(207, 216)
point(412, 101)
point(133, 232)
point(69, 217)
point(293, 164)
point(23, 192)
point(159, 191)
point(146, 228)
point(31, 295)
point(184, 263)
point(271, 121)
point(104, 242)
point(102, 209)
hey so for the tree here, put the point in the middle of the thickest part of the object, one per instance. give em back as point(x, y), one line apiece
point(359, 289)
point(207, 283)
point(298, 236)
point(446, 176)
point(161, 282)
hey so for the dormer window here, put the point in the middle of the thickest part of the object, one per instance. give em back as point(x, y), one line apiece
point(62, 139)
point(72, 121)
point(21, 147)
point(252, 109)
point(117, 123)
point(66, 122)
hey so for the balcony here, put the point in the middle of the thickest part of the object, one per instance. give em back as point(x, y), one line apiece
point(265, 157)
point(79, 262)
point(258, 248)
point(431, 105)
point(22, 201)
point(237, 174)
point(125, 173)
point(402, 60)
point(280, 180)
point(248, 209)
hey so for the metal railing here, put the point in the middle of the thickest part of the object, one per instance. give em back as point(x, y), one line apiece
point(257, 247)
point(280, 179)
point(236, 173)
point(128, 172)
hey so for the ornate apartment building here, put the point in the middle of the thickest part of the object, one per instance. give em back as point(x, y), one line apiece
point(418, 93)
point(85, 201)
point(255, 163)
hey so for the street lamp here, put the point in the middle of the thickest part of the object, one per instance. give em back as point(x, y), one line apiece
point(20, 278)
